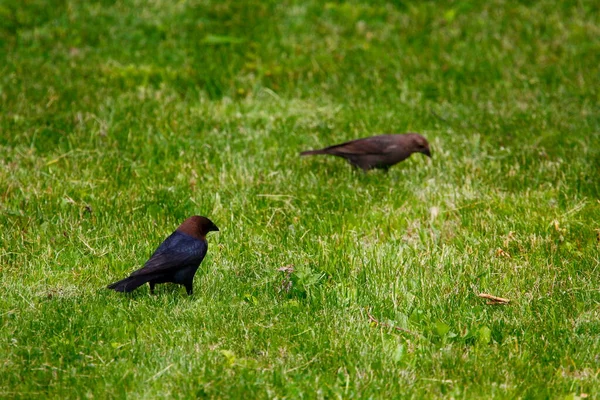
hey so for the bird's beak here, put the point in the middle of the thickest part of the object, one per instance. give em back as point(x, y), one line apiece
point(215, 228)
point(427, 152)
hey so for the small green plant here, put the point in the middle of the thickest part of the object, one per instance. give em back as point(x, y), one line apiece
point(300, 282)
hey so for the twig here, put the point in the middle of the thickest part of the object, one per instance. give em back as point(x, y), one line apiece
point(373, 319)
point(493, 299)
point(439, 117)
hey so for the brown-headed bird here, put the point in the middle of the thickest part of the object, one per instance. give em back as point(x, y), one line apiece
point(176, 260)
point(380, 151)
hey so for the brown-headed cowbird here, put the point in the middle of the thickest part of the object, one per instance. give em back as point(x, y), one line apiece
point(380, 151)
point(176, 260)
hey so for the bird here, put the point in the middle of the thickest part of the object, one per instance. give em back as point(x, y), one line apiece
point(381, 151)
point(176, 260)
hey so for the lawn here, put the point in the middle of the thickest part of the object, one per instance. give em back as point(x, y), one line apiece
point(119, 119)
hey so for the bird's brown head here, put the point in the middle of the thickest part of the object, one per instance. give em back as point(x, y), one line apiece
point(197, 226)
point(420, 144)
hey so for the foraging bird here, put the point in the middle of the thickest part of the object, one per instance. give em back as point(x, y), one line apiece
point(380, 151)
point(176, 260)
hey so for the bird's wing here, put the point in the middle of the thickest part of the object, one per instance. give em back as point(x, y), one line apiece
point(177, 250)
point(372, 145)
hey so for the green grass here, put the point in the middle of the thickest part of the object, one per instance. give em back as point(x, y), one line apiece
point(119, 119)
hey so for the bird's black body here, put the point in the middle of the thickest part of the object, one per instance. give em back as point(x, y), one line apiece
point(176, 260)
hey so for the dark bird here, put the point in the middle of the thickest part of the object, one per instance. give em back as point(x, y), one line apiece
point(176, 260)
point(380, 151)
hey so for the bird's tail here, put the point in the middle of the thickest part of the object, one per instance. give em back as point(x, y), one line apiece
point(313, 152)
point(129, 284)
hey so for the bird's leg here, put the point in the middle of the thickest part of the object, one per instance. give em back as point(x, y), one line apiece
point(152, 284)
point(189, 287)
point(356, 167)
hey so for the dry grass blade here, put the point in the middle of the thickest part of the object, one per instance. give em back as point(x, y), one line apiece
point(493, 300)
